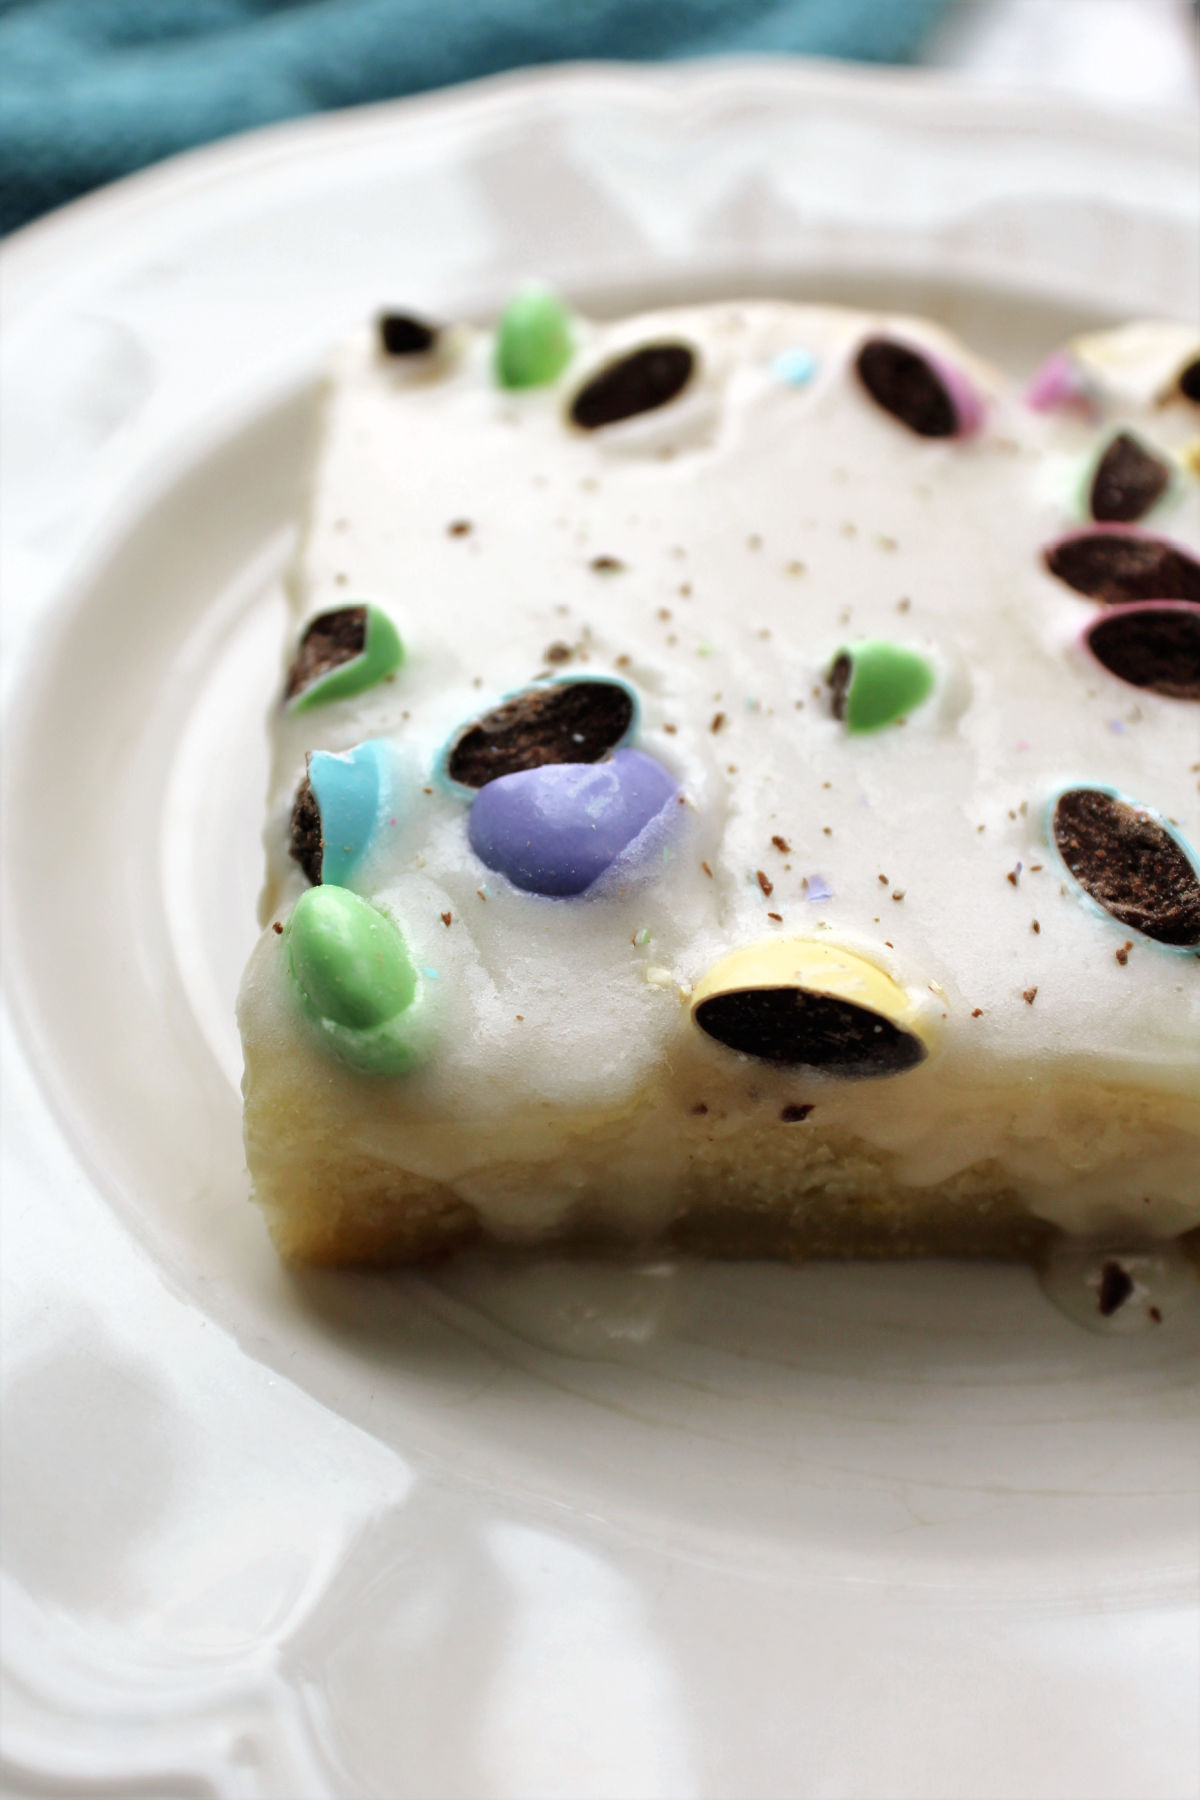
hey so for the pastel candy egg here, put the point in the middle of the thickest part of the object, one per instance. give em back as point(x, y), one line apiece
point(533, 339)
point(874, 683)
point(1127, 480)
point(1153, 644)
point(574, 721)
point(353, 975)
point(340, 653)
point(920, 389)
point(1130, 862)
point(403, 334)
point(638, 382)
point(557, 829)
point(1113, 564)
point(800, 1002)
point(1060, 385)
point(338, 809)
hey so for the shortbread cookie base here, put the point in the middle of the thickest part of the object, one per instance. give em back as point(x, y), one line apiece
point(337, 1172)
point(332, 1211)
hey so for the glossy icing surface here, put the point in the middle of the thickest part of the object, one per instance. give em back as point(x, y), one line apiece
point(716, 553)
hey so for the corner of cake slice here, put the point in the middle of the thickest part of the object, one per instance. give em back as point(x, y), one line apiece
point(734, 784)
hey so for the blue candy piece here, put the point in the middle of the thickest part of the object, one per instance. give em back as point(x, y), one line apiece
point(555, 830)
point(354, 790)
point(796, 367)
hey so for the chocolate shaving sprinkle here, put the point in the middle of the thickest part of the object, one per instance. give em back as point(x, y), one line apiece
point(781, 844)
point(718, 719)
point(640, 382)
point(1151, 646)
point(789, 1026)
point(907, 386)
point(402, 335)
point(794, 1115)
point(574, 722)
point(1125, 860)
point(331, 639)
point(606, 565)
point(557, 652)
point(306, 839)
point(1127, 482)
point(765, 883)
point(277, 928)
point(1114, 566)
point(1029, 996)
point(1189, 381)
point(1116, 1285)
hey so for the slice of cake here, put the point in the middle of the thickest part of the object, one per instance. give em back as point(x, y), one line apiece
point(734, 785)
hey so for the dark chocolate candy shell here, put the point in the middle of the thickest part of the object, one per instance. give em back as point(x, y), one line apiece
point(921, 390)
point(1115, 565)
point(1130, 863)
point(560, 722)
point(639, 382)
point(1153, 645)
point(805, 1003)
point(1128, 480)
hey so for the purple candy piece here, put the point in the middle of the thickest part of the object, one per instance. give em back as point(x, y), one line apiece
point(555, 830)
point(1060, 385)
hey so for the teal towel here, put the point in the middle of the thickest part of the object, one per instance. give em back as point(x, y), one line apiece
point(92, 89)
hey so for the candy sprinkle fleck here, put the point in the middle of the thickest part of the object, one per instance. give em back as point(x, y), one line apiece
point(817, 888)
point(641, 937)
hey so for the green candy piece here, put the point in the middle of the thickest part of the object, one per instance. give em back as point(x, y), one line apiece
point(355, 979)
point(875, 683)
point(533, 339)
point(346, 670)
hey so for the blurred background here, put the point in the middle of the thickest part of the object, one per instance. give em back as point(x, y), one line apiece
point(93, 89)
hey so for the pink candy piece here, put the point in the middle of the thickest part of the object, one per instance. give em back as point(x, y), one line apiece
point(967, 400)
point(1061, 386)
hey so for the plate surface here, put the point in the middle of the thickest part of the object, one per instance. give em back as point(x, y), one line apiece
point(504, 1530)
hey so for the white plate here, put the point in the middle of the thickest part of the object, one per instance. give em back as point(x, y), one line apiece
point(504, 1531)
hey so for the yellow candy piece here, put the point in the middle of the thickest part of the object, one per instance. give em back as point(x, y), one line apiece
point(805, 1001)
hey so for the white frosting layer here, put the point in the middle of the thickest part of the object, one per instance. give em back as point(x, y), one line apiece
point(759, 525)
